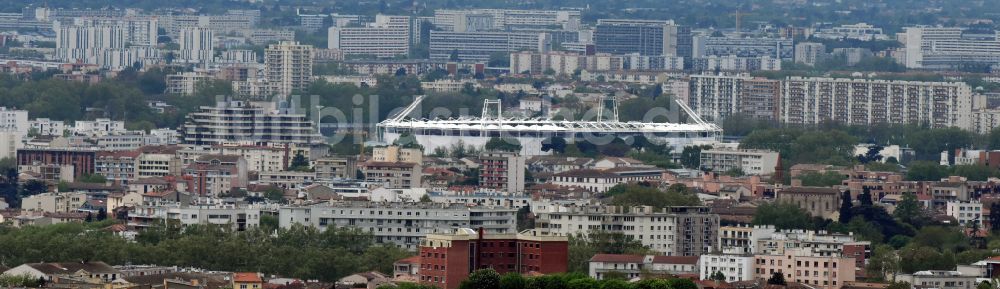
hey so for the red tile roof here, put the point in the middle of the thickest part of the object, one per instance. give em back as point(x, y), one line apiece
point(410, 260)
point(247, 277)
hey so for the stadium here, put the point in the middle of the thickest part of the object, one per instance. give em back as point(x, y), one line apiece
point(530, 132)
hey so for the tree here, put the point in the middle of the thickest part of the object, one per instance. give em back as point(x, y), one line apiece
point(299, 163)
point(554, 144)
point(995, 215)
point(874, 154)
point(782, 216)
point(93, 179)
point(691, 156)
point(899, 285)
point(908, 209)
point(102, 214)
point(482, 279)
point(638, 195)
point(826, 179)
point(846, 207)
point(884, 261)
point(425, 198)
point(776, 279)
point(718, 276)
point(275, 194)
point(926, 171)
point(682, 283)
point(513, 281)
point(503, 144)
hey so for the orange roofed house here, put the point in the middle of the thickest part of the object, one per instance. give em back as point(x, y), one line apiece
point(247, 280)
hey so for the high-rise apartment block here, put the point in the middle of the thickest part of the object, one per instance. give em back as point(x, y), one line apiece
point(646, 37)
point(388, 36)
point(288, 67)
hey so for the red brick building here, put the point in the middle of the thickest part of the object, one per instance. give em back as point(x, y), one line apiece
point(447, 259)
point(83, 161)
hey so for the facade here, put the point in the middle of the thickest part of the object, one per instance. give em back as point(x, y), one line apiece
point(502, 171)
point(562, 63)
point(16, 121)
point(645, 37)
point(387, 37)
point(392, 175)
point(81, 162)
point(743, 239)
point(197, 45)
point(213, 175)
point(868, 101)
point(233, 121)
point(750, 162)
point(54, 202)
point(717, 97)
point(600, 181)
point(288, 66)
point(673, 231)
point(478, 46)
point(185, 83)
point(240, 219)
point(777, 48)
point(333, 168)
point(736, 267)
point(946, 48)
point(448, 259)
point(45, 126)
point(635, 266)
point(819, 202)
point(117, 167)
point(809, 53)
point(504, 19)
point(10, 142)
point(966, 213)
point(827, 272)
point(736, 63)
point(98, 127)
point(402, 224)
point(940, 279)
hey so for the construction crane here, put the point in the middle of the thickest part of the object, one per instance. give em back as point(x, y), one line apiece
point(739, 20)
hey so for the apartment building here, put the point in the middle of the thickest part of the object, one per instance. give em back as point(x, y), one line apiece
point(743, 238)
point(185, 83)
point(45, 126)
point(16, 121)
point(599, 181)
point(504, 19)
point(288, 66)
point(966, 212)
point(819, 244)
point(814, 100)
point(750, 162)
point(80, 161)
point(635, 266)
point(809, 53)
point(402, 224)
point(392, 175)
point(286, 179)
point(735, 267)
point(673, 231)
point(117, 167)
point(98, 127)
point(213, 175)
point(259, 122)
point(827, 272)
point(137, 30)
point(817, 201)
point(777, 48)
point(562, 63)
point(158, 161)
point(940, 279)
point(645, 37)
point(478, 46)
point(446, 259)
point(58, 202)
point(946, 48)
point(10, 142)
point(238, 218)
point(333, 168)
point(502, 171)
point(716, 97)
point(387, 37)
point(197, 45)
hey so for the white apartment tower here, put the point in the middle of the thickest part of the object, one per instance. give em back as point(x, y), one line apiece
point(288, 66)
point(387, 37)
point(197, 45)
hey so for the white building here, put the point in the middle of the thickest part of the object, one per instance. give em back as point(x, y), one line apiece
point(966, 212)
point(860, 31)
point(735, 267)
point(674, 231)
point(288, 67)
point(239, 218)
point(14, 120)
point(197, 45)
point(634, 266)
point(403, 224)
point(946, 48)
point(388, 36)
point(809, 53)
point(185, 83)
point(478, 46)
point(10, 142)
point(750, 162)
point(98, 127)
point(44, 126)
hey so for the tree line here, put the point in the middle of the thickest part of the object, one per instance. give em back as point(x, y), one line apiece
point(298, 252)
